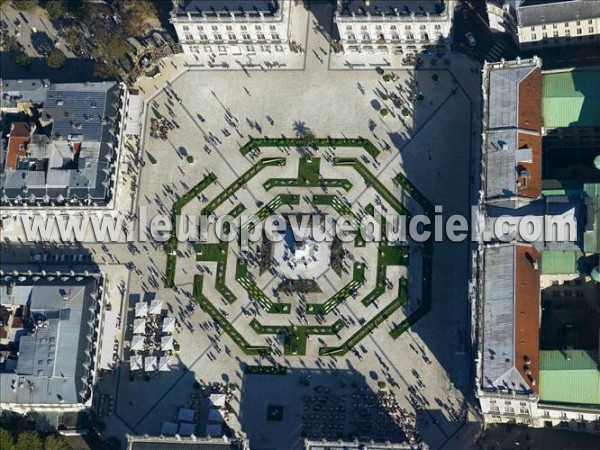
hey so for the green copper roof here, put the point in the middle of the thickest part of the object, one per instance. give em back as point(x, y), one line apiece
point(591, 242)
point(555, 262)
point(571, 98)
point(575, 380)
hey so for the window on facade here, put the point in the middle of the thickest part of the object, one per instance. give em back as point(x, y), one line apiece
point(392, 27)
point(532, 28)
point(203, 37)
point(228, 28)
point(186, 28)
point(578, 30)
point(243, 28)
point(422, 27)
point(543, 27)
point(366, 37)
point(200, 28)
point(351, 37)
point(590, 21)
point(410, 36)
point(407, 27)
point(275, 36)
point(246, 37)
point(524, 411)
point(579, 22)
point(555, 34)
point(437, 27)
point(215, 28)
point(395, 37)
point(590, 29)
point(218, 37)
point(258, 27)
point(363, 28)
point(567, 32)
point(232, 37)
point(378, 28)
point(544, 35)
point(261, 36)
point(534, 36)
point(554, 25)
point(189, 37)
point(566, 24)
point(349, 27)
point(272, 27)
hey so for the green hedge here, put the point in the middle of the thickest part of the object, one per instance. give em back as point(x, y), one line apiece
point(304, 142)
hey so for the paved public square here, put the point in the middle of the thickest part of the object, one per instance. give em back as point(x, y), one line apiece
point(427, 137)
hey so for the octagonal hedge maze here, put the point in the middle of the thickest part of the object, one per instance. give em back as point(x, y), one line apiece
point(245, 272)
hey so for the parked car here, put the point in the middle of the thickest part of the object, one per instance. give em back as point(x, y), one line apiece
point(470, 39)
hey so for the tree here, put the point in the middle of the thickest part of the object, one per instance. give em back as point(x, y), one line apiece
point(24, 60)
point(6, 439)
point(56, 9)
point(56, 58)
point(29, 440)
point(25, 5)
point(56, 442)
point(136, 16)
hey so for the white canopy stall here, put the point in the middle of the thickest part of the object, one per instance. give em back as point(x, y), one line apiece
point(164, 364)
point(168, 325)
point(139, 326)
point(136, 362)
point(138, 343)
point(166, 343)
point(141, 309)
point(151, 363)
point(156, 307)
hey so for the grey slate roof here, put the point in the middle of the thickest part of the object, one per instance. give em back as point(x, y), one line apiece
point(225, 7)
point(53, 363)
point(377, 7)
point(501, 179)
point(532, 13)
point(504, 95)
point(498, 319)
point(14, 91)
point(80, 112)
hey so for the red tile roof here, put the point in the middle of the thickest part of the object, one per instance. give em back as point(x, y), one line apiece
point(20, 135)
point(527, 314)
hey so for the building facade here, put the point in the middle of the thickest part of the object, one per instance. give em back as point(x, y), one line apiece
point(535, 366)
point(396, 27)
point(547, 23)
point(232, 27)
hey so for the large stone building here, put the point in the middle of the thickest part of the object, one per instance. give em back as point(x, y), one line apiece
point(48, 335)
point(394, 26)
point(537, 306)
point(232, 27)
point(60, 142)
point(547, 23)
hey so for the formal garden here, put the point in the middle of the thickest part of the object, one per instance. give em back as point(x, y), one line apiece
point(238, 275)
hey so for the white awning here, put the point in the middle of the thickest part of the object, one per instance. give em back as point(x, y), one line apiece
point(109, 334)
point(218, 400)
point(135, 107)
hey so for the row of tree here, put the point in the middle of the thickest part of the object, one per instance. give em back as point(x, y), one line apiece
point(31, 440)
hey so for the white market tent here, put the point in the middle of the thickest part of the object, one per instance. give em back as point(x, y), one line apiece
point(151, 363)
point(136, 362)
point(141, 309)
point(156, 307)
point(168, 325)
point(138, 343)
point(164, 364)
point(214, 430)
point(139, 326)
point(217, 400)
point(186, 415)
point(166, 343)
point(214, 415)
